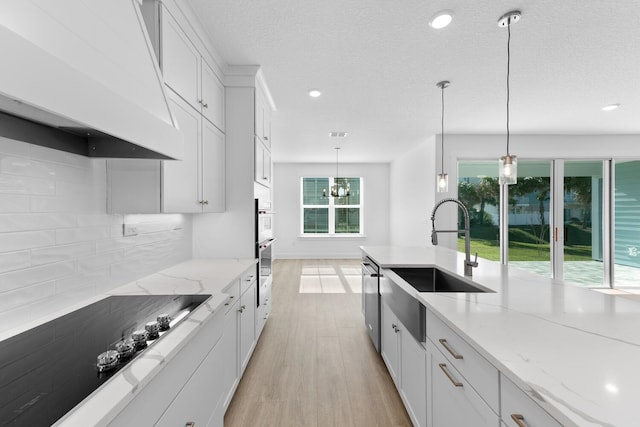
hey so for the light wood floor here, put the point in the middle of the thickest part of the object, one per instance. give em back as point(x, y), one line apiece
point(315, 364)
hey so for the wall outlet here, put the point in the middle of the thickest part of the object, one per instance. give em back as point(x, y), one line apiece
point(129, 230)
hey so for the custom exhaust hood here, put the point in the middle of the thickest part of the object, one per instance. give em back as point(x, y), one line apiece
point(81, 76)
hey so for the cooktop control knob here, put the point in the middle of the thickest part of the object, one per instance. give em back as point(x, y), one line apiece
point(153, 329)
point(107, 360)
point(139, 338)
point(125, 349)
point(164, 321)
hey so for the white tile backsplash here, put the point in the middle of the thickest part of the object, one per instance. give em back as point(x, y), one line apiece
point(58, 245)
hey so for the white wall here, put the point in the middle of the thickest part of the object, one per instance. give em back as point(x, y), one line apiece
point(412, 185)
point(58, 245)
point(286, 203)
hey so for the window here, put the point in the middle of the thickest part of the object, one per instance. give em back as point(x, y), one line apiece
point(322, 214)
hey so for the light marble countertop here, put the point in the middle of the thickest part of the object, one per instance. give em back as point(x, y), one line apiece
point(573, 350)
point(197, 276)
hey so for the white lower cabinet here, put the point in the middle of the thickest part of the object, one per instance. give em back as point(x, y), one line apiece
point(389, 341)
point(198, 399)
point(454, 402)
point(149, 405)
point(229, 342)
point(406, 360)
point(247, 320)
point(518, 409)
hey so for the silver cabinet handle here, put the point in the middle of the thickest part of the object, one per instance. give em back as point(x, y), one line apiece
point(519, 419)
point(393, 326)
point(190, 424)
point(454, 381)
point(241, 309)
point(206, 202)
point(266, 138)
point(204, 104)
point(446, 345)
point(249, 279)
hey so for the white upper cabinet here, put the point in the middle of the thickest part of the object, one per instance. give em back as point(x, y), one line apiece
point(213, 168)
point(181, 180)
point(196, 184)
point(262, 170)
point(212, 96)
point(188, 73)
point(180, 61)
point(262, 118)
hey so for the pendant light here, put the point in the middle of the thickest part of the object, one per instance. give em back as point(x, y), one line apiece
point(341, 186)
point(442, 181)
point(508, 163)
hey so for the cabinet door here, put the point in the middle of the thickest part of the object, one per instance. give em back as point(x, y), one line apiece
point(180, 178)
point(213, 168)
point(266, 125)
point(454, 401)
point(414, 379)
point(258, 113)
point(133, 186)
point(389, 344)
point(247, 312)
point(212, 95)
point(198, 399)
point(229, 348)
point(266, 167)
point(180, 61)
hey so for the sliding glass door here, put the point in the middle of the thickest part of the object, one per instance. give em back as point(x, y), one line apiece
point(529, 217)
point(626, 220)
point(583, 214)
point(575, 220)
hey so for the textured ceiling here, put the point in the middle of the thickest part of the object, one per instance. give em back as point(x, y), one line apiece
point(377, 63)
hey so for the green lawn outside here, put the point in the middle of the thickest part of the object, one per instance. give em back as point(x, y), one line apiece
point(524, 245)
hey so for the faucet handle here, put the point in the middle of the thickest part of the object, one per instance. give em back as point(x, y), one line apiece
point(475, 261)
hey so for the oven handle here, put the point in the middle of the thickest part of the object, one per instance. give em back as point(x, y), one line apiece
point(370, 271)
point(266, 243)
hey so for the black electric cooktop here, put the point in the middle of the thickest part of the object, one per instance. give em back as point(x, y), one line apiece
point(47, 370)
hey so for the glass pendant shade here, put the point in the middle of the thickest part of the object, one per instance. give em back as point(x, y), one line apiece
point(443, 183)
point(508, 170)
point(341, 188)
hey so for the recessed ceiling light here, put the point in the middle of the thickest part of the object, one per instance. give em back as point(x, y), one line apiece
point(314, 93)
point(441, 19)
point(611, 107)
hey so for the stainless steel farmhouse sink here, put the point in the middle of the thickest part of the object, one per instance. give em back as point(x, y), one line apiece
point(429, 279)
point(406, 307)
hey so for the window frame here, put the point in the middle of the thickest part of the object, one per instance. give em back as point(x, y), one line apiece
point(331, 206)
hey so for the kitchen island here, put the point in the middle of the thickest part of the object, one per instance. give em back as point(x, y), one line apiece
point(574, 352)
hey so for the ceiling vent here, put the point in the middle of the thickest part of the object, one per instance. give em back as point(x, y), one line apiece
point(338, 134)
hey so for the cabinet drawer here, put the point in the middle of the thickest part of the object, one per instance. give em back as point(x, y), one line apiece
point(233, 290)
point(480, 374)
point(247, 278)
point(453, 401)
point(515, 403)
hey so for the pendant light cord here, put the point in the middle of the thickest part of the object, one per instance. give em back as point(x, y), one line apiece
point(508, 72)
point(442, 138)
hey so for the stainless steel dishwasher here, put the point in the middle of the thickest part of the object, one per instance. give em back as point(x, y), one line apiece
point(371, 299)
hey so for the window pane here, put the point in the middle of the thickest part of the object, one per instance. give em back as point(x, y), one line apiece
point(583, 212)
point(347, 220)
point(529, 232)
point(627, 217)
point(354, 192)
point(479, 190)
point(312, 191)
point(316, 220)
